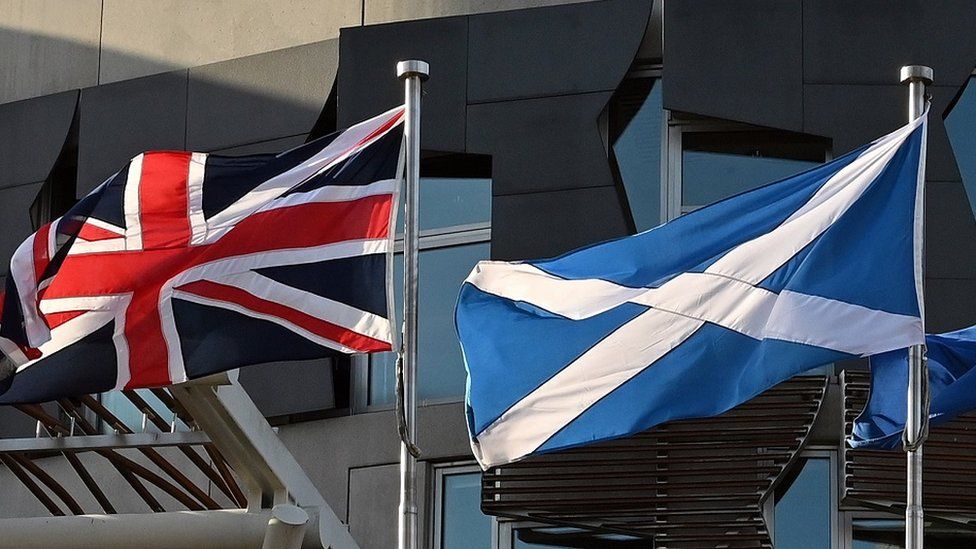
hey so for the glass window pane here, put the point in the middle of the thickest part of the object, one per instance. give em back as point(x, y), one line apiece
point(463, 526)
point(451, 201)
point(558, 537)
point(961, 127)
point(802, 514)
point(717, 165)
point(440, 370)
point(878, 534)
point(635, 127)
point(130, 416)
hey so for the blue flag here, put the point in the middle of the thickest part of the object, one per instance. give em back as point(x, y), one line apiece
point(952, 389)
point(700, 314)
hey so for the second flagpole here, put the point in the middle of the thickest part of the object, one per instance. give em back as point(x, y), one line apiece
point(412, 72)
point(917, 77)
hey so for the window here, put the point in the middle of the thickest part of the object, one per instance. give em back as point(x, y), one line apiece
point(517, 535)
point(712, 160)
point(119, 405)
point(805, 509)
point(960, 124)
point(455, 233)
point(636, 132)
point(458, 520)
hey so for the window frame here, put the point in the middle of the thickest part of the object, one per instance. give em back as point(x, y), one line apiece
point(440, 472)
point(655, 72)
point(430, 239)
point(838, 529)
point(677, 124)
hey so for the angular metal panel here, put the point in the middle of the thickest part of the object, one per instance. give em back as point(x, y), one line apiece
point(555, 50)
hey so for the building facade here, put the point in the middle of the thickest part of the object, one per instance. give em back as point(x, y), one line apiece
point(548, 125)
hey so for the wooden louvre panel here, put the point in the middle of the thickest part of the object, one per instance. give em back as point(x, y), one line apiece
point(875, 479)
point(690, 483)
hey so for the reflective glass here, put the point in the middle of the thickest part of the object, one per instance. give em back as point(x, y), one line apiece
point(129, 415)
point(463, 525)
point(636, 131)
point(878, 534)
point(802, 514)
point(717, 165)
point(440, 370)
point(448, 202)
point(961, 127)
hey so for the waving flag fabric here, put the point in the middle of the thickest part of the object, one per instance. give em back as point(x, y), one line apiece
point(186, 264)
point(700, 314)
point(952, 389)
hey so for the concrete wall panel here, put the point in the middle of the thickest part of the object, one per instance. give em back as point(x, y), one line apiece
point(542, 144)
point(282, 388)
point(950, 231)
point(32, 133)
point(15, 223)
point(735, 60)
point(328, 449)
point(121, 120)
point(373, 501)
point(48, 46)
point(950, 304)
point(259, 97)
point(867, 42)
point(387, 11)
point(569, 219)
point(368, 84)
point(852, 115)
point(143, 37)
point(559, 50)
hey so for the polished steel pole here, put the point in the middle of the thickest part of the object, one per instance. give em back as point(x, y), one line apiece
point(412, 72)
point(917, 77)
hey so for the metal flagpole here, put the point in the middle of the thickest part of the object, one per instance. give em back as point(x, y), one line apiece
point(412, 72)
point(917, 77)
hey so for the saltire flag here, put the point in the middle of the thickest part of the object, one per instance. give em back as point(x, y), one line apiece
point(185, 264)
point(952, 389)
point(698, 315)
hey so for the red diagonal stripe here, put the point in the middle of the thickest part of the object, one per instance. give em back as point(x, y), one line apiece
point(41, 259)
point(322, 328)
point(92, 233)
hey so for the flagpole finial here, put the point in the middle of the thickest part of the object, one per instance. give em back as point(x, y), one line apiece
point(917, 73)
point(413, 67)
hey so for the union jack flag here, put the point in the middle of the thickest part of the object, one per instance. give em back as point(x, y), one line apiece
point(185, 264)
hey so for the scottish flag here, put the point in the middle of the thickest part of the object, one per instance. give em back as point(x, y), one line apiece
point(952, 389)
point(700, 314)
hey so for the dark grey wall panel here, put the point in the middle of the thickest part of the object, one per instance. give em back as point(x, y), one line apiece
point(852, 115)
point(735, 60)
point(32, 133)
point(272, 146)
point(259, 97)
point(556, 50)
point(15, 424)
point(950, 304)
point(866, 42)
point(537, 225)
point(15, 224)
point(950, 232)
point(121, 120)
point(367, 75)
point(542, 144)
point(282, 388)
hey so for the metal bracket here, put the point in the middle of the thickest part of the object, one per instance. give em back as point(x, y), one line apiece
point(266, 467)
